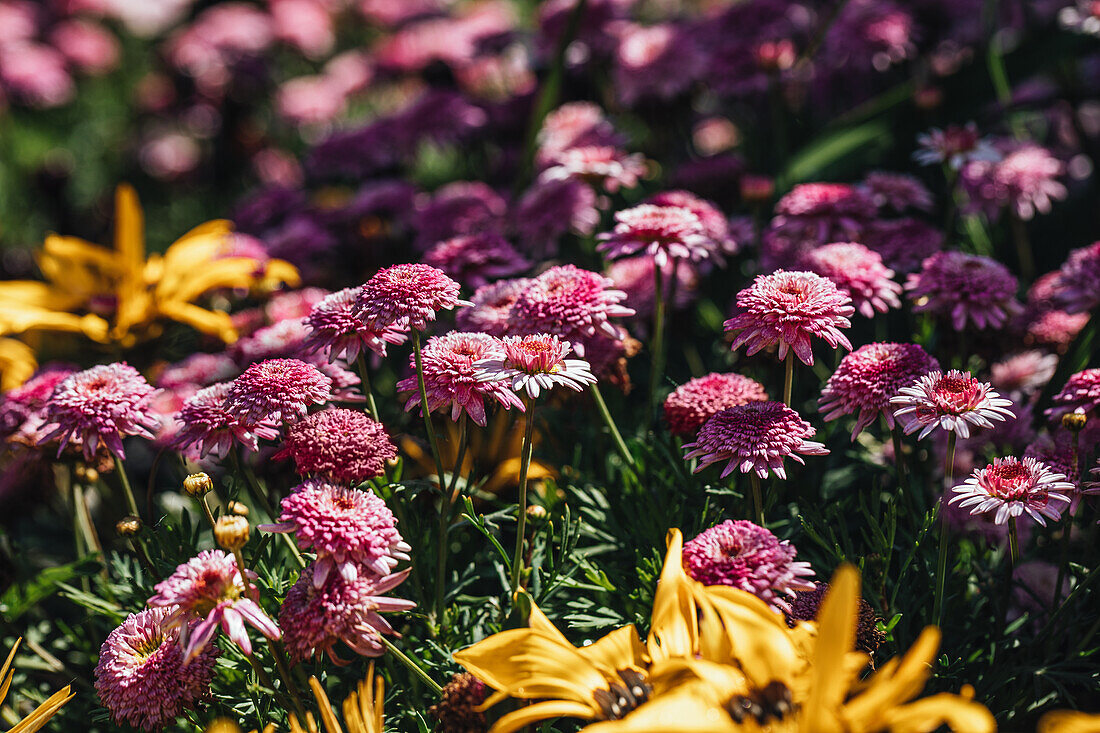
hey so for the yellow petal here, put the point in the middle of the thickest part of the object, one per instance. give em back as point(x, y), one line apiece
point(674, 631)
point(928, 714)
point(34, 294)
point(278, 273)
point(620, 649)
point(42, 714)
point(537, 621)
point(736, 626)
point(215, 323)
point(529, 714)
point(1069, 721)
point(230, 272)
point(17, 364)
point(328, 717)
point(73, 250)
point(18, 319)
point(895, 684)
point(836, 636)
point(134, 305)
point(691, 708)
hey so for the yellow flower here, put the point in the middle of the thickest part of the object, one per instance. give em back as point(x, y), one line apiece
point(1069, 721)
point(17, 363)
point(42, 714)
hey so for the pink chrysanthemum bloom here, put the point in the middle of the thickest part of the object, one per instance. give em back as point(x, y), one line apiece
point(1023, 373)
point(100, 406)
point(1025, 180)
point(534, 363)
point(664, 232)
point(23, 409)
point(744, 555)
point(349, 530)
point(336, 332)
point(755, 436)
point(340, 610)
point(477, 259)
point(198, 369)
point(1079, 280)
point(279, 340)
point(897, 191)
point(823, 210)
point(568, 302)
point(716, 226)
point(953, 401)
point(786, 309)
point(867, 378)
point(1081, 392)
point(597, 165)
point(572, 125)
point(205, 422)
point(277, 391)
point(206, 592)
point(451, 379)
point(407, 296)
point(492, 305)
point(141, 677)
point(692, 403)
point(1012, 487)
point(859, 272)
point(965, 287)
point(1055, 328)
point(338, 444)
point(956, 145)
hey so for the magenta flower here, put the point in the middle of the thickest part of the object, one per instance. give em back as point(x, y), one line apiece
point(897, 191)
point(787, 309)
point(954, 401)
point(335, 331)
point(477, 259)
point(715, 224)
point(867, 378)
point(746, 556)
point(492, 307)
point(904, 243)
point(350, 530)
point(100, 406)
point(198, 369)
point(406, 296)
point(142, 677)
point(956, 146)
point(23, 409)
point(1013, 487)
point(1081, 393)
point(1024, 373)
point(755, 436)
point(535, 363)
point(824, 211)
point(341, 445)
point(859, 272)
point(692, 403)
point(286, 338)
point(572, 125)
point(1079, 280)
point(664, 232)
point(205, 422)
point(206, 592)
point(1024, 180)
point(597, 165)
point(965, 287)
point(549, 209)
point(277, 391)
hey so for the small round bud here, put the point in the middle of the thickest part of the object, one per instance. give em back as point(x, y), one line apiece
point(236, 507)
point(536, 513)
point(91, 475)
point(1074, 421)
point(128, 526)
point(231, 532)
point(198, 485)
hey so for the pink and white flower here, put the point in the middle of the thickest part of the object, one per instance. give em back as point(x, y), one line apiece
point(954, 401)
point(535, 363)
point(1012, 487)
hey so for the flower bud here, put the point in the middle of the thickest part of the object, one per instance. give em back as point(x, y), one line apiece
point(198, 485)
point(236, 507)
point(129, 526)
point(536, 513)
point(1074, 421)
point(231, 532)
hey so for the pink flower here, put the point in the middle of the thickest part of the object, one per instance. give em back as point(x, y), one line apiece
point(574, 125)
point(336, 332)
point(755, 436)
point(903, 243)
point(955, 146)
point(208, 589)
point(867, 378)
point(451, 379)
point(550, 209)
point(692, 403)
point(897, 191)
point(23, 409)
point(1081, 392)
point(199, 369)
point(35, 73)
point(1079, 280)
point(601, 165)
point(142, 677)
point(1023, 373)
point(305, 24)
point(715, 225)
point(859, 272)
point(350, 530)
point(1025, 180)
point(205, 422)
point(965, 287)
point(1012, 487)
point(824, 212)
point(86, 45)
point(310, 100)
point(953, 401)
point(664, 232)
point(277, 391)
point(786, 309)
point(283, 339)
point(534, 363)
point(655, 61)
point(340, 610)
point(492, 306)
point(406, 296)
point(476, 259)
point(747, 556)
point(339, 445)
point(100, 406)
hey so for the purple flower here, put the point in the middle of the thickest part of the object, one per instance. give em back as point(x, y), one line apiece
point(476, 259)
point(277, 391)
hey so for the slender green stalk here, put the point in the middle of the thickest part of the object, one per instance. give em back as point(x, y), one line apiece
point(143, 556)
point(899, 459)
point(206, 511)
point(433, 444)
point(788, 379)
point(412, 665)
point(1013, 544)
point(757, 498)
point(525, 463)
point(446, 503)
point(364, 378)
point(657, 347)
point(126, 490)
point(616, 436)
point(941, 564)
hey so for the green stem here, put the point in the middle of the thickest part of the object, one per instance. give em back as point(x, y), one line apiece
point(899, 459)
point(616, 436)
point(525, 462)
point(433, 444)
point(446, 503)
point(126, 490)
point(657, 360)
point(941, 564)
point(757, 498)
point(364, 379)
point(412, 665)
point(1013, 544)
point(788, 379)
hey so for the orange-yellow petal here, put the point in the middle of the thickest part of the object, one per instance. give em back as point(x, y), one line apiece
point(674, 631)
point(530, 714)
point(1069, 721)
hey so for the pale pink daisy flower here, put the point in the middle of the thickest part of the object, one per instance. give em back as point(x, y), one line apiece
point(746, 556)
point(1025, 180)
point(755, 436)
point(1081, 393)
point(965, 287)
point(350, 530)
point(337, 444)
point(692, 403)
point(451, 379)
point(205, 422)
point(336, 332)
point(716, 226)
point(1023, 373)
point(897, 191)
point(1013, 487)
point(1079, 280)
point(956, 146)
point(535, 363)
point(954, 401)
point(477, 259)
point(142, 678)
point(664, 232)
point(277, 391)
point(786, 309)
point(492, 305)
point(867, 378)
point(572, 125)
point(568, 302)
point(99, 407)
point(340, 610)
point(407, 296)
point(597, 165)
point(206, 592)
point(859, 272)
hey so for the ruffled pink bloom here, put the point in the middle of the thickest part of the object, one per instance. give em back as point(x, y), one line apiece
point(277, 391)
point(476, 259)
point(142, 678)
point(1055, 328)
point(492, 307)
point(350, 530)
point(338, 333)
point(339, 445)
point(956, 145)
point(304, 24)
point(598, 166)
point(715, 225)
point(406, 296)
point(965, 287)
point(283, 339)
point(655, 61)
point(36, 74)
point(574, 125)
point(692, 403)
point(897, 191)
point(755, 436)
point(340, 610)
point(867, 378)
point(747, 556)
point(953, 401)
point(859, 272)
point(664, 232)
point(293, 303)
point(1079, 280)
point(205, 422)
point(824, 211)
point(23, 409)
point(208, 589)
point(451, 379)
point(100, 406)
point(787, 309)
point(1081, 393)
point(1012, 487)
point(310, 100)
point(88, 46)
point(1023, 373)
point(535, 363)
point(1024, 180)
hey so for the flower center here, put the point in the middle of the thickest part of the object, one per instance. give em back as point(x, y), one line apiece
point(1010, 481)
point(623, 696)
point(956, 394)
point(773, 701)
